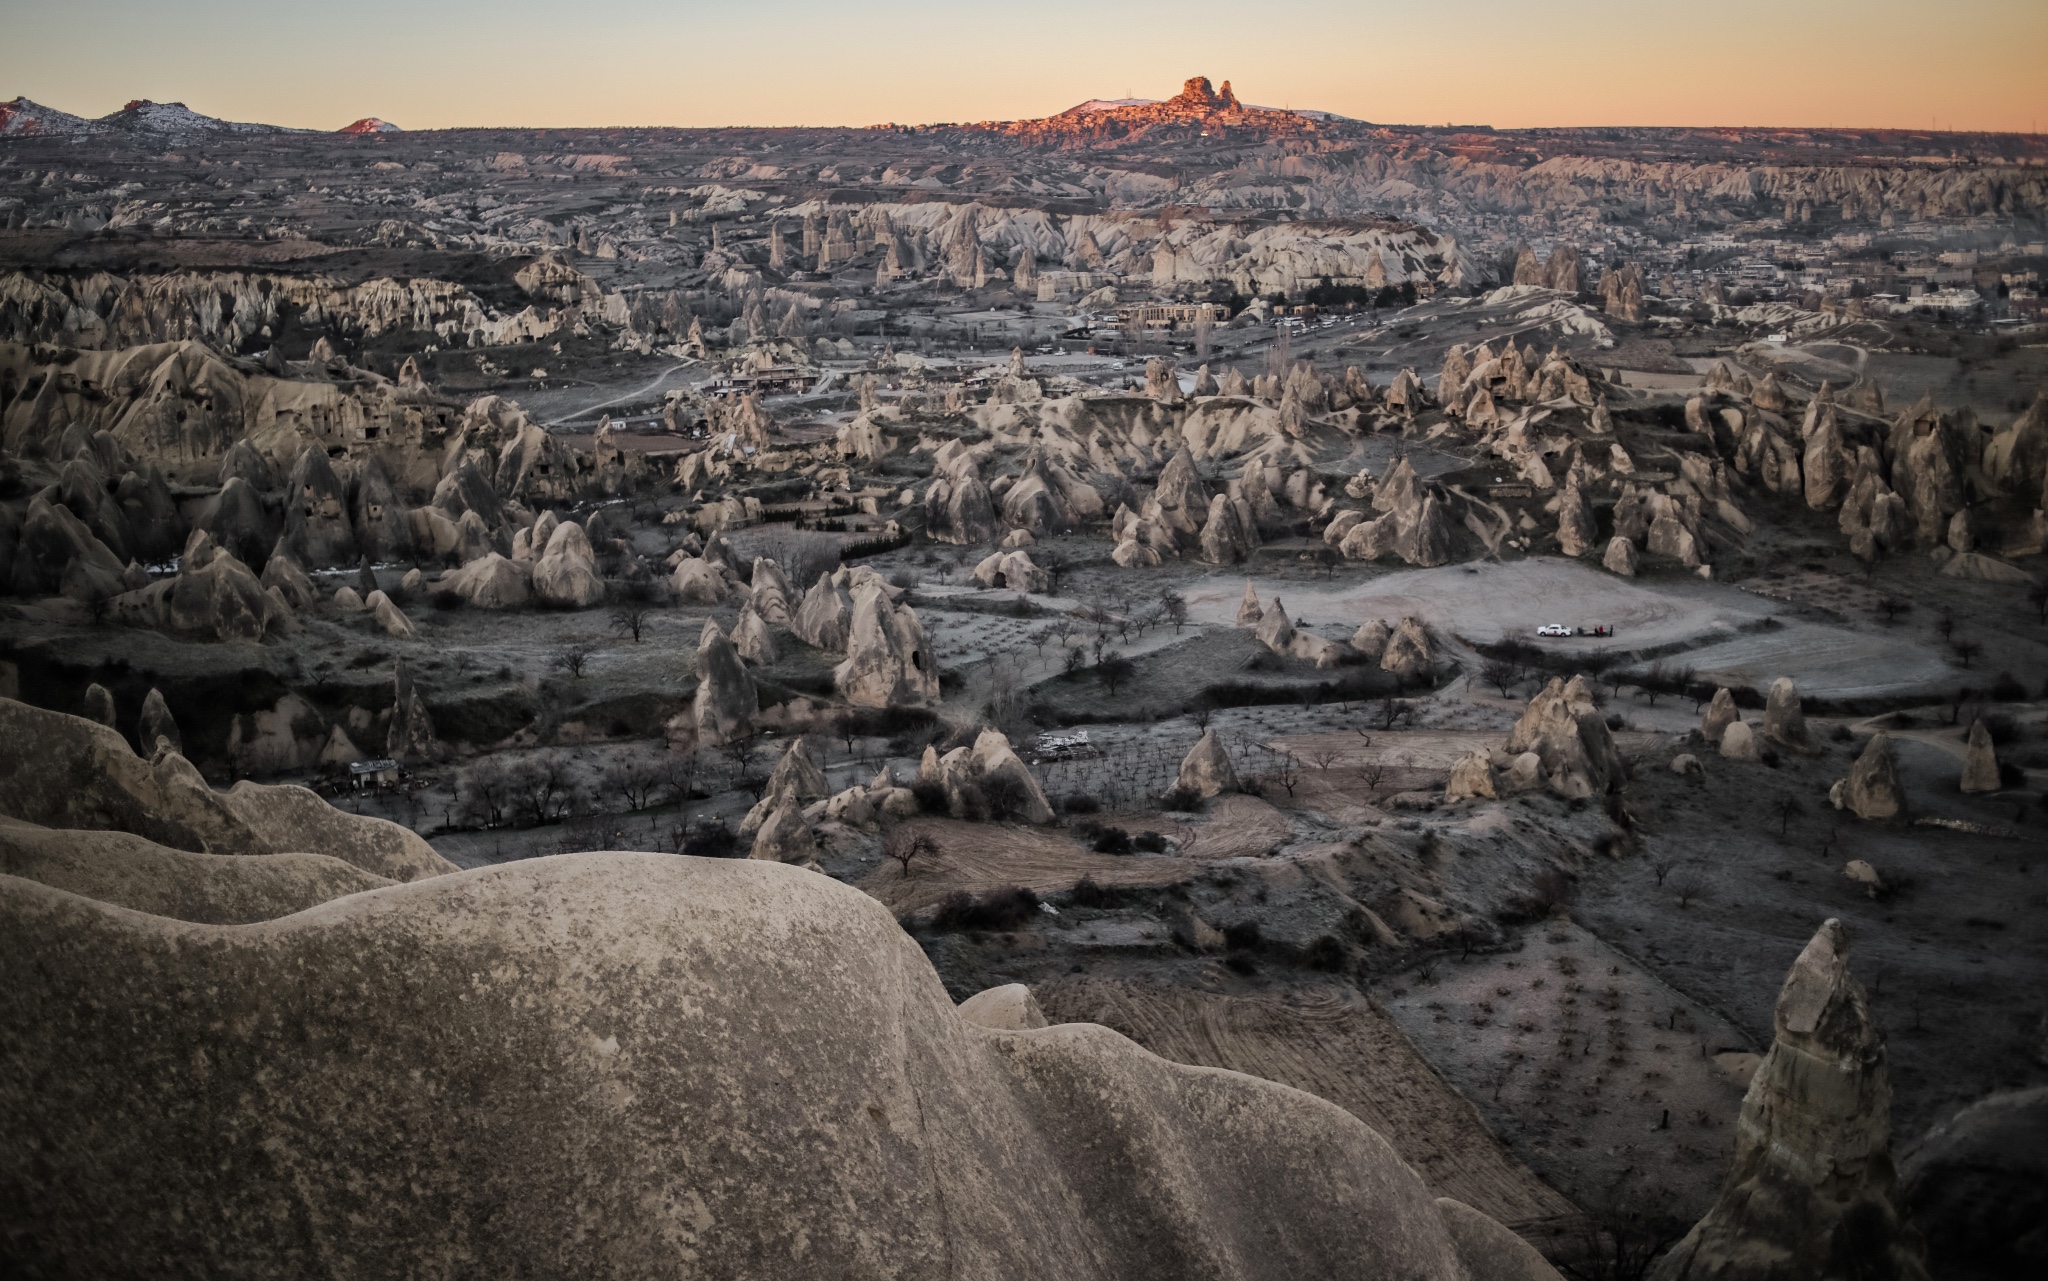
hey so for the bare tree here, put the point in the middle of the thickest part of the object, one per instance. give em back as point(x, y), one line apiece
point(907, 846)
point(636, 781)
point(847, 726)
point(1114, 670)
point(1967, 650)
point(1689, 883)
point(542, 787)
point(742, 750)
point(1324, 757)
point(1891, 606)
point(630, 619)
point(1785, 807)
point(572, 659)
point(484, 791)
point(1176, 606)
point(1502, 675)
point(681, 769)
point(1286, 772)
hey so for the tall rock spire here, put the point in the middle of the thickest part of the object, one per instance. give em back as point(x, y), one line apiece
point(1811, 1194)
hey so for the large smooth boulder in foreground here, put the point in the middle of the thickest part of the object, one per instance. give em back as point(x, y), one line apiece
point(644, 1066)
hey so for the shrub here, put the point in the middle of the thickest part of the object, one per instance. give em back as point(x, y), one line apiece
point(1325, 953)
point(996, 910)
point(446, 599)
point(888, 722)
point(1181, 800)
point(1242, 936)
point(1149, 843)
point(2011, 775)
point(1081, 803)
point(711, 840)
point(1112, 840)
point(1089, 894)
point(2002, 728)
point(931, 798)
point(2007, 690)
point(1239, 963)
point(1004, 795)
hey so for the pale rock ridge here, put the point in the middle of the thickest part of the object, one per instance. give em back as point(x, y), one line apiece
point(1206, 769)
point(1117, 1163)
point(1980, 764)
point(726, 701)
point(888, 662)
point(824, 617)
point(1564, 728)
point(1407, 651)
point(1720, 714)
point(1872, 789)
point(565, 575)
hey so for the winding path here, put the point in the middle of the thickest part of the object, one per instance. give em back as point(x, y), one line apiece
point(635, 394)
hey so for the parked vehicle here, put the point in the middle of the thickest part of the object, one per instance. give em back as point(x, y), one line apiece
point(1553, 629)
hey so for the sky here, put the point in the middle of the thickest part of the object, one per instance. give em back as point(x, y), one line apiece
point(1958, 64)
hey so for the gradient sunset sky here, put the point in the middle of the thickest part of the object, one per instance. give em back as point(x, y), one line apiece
point(1960, 64)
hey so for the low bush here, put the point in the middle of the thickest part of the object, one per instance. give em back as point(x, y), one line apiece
point(1112, 840)
point(1324, 953)
point(711, 840)
point(931, 798)
point(996, 910)
point(1080, 803)
point(1149, 843)
point(1087, 893)
point(1181, 800)
point(1242, 936)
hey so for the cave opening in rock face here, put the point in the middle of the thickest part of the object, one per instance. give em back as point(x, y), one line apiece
point(1444, 621)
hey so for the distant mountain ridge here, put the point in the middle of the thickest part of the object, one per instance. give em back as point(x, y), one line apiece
point(171, 121)
point(1199, 109)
